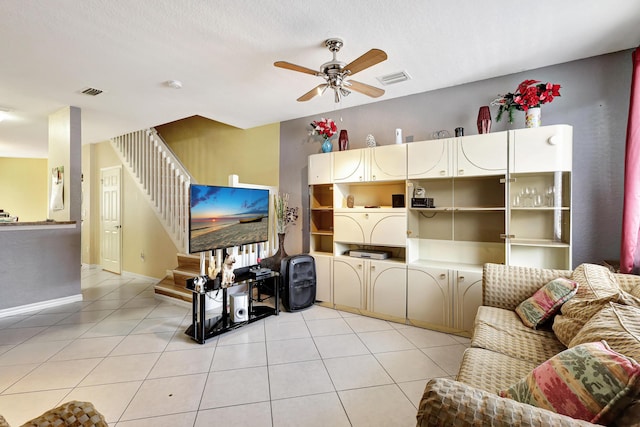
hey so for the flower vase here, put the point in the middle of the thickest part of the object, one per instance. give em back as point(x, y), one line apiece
point(278, 256)
point(327, 146)
point(532, 118)
point(273, 262)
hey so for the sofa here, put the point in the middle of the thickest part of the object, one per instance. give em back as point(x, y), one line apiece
point(502, 380)
point(69, 414)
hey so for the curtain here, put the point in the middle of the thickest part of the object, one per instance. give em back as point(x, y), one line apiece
point(630, 249)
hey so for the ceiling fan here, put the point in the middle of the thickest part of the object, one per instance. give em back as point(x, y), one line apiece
point(337, 72)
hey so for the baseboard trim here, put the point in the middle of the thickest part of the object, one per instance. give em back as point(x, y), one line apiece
point(39, 305)
point(140, 276)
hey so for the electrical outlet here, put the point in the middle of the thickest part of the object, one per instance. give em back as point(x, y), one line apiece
point(142, 256)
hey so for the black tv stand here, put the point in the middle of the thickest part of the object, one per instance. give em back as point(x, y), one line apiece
point(202, 328)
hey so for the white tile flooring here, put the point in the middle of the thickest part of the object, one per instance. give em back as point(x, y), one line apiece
point(126, 351)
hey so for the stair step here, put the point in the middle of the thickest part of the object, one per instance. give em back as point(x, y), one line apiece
point(168, 288)
point(180, 277)
point(190, 262)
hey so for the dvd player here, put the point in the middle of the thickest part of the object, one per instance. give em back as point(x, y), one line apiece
point(370, 254)
point(258, 272)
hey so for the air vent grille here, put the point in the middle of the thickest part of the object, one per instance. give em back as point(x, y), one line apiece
point(92, 91)
point(393, 78)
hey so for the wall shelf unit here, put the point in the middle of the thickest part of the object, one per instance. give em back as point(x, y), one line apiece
point(503, 197)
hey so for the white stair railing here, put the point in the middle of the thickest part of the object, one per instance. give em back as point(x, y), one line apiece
point(161, 176)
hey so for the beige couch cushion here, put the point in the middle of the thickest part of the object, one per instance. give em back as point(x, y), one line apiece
point(502, 331)
point(618, 325)
point(491, 371)
point(628, 282)
point(597, 286)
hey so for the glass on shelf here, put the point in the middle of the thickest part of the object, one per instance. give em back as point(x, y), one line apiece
point(549, 196)
point(537, 201)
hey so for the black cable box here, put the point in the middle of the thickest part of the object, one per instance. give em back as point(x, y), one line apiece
point(258, 272)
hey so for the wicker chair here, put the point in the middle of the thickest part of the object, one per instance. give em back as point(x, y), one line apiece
point(70, 414)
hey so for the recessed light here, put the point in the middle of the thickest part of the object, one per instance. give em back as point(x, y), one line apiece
point(175, 84)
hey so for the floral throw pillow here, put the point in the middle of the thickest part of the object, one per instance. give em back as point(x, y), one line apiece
point(585, 382)
point(546, 302)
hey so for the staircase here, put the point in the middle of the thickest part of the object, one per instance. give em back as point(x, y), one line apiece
point(165, 181)
point(161, 177)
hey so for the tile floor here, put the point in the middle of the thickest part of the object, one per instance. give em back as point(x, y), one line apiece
point(126, 351)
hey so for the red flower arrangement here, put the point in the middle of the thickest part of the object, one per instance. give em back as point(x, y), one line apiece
point(326, 128)
point(530, 94)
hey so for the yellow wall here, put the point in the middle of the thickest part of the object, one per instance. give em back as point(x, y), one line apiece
point(142, 232)
point(211, 151)
point(23, 188)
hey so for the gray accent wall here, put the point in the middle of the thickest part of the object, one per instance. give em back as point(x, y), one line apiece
point(39, 264)
point(595, 101)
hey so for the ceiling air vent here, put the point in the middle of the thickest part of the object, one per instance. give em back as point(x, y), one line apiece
point(92, 91)
point(393, 78)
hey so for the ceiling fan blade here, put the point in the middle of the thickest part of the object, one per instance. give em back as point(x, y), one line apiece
point(373, 57)
point(366, 89)
point(318, 90)
point(294, 67)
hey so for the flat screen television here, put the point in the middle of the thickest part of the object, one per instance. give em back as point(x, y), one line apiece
point(223, 217)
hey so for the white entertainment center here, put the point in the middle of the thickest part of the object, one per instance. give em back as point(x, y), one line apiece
point(501, 197)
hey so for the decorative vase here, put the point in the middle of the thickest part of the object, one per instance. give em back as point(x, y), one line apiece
point(343, 140)
point(273, 262)
point(278, 256)
point(370, 140)
point(327, 146)
point(484, 120)
point(532, 118)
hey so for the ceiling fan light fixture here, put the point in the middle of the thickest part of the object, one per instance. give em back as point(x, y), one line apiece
point(335, 73)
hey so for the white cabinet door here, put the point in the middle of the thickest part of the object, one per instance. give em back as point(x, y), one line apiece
point(320, 168)
point(428, 295)
point(428, 159)
point(388, 163)
point(468, 297)
point(371, 228)
point(350, 165)
point(479, 155)
point(387, 289)
point(385, 163)
point(543, 149)
point(324, 276)
point(348, 282)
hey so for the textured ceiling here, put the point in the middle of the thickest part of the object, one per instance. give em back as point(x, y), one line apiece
point(223, 52)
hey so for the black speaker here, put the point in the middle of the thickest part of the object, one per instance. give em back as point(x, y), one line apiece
point(397, 200)
point(298, 281)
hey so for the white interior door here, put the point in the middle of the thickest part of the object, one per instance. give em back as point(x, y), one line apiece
point(110, 225)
